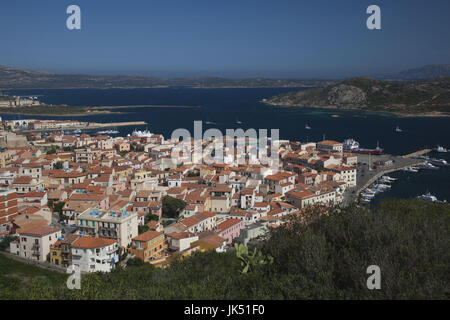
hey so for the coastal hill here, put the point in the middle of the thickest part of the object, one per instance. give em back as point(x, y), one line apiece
point(403, 98)
point(11, 78)
point(435, 71)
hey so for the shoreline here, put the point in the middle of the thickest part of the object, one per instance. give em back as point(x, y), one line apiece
point(91, 111)
point(431, 114)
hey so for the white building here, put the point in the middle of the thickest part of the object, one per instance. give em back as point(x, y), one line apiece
point(95, 254)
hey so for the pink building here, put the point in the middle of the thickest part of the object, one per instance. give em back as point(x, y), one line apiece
point(230, 229)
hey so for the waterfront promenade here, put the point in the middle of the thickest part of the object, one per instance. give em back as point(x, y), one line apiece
point(366, 174)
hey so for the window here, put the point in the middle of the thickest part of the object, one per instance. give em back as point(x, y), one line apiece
point(36, 241)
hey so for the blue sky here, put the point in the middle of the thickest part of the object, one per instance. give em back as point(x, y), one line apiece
point(271, 38)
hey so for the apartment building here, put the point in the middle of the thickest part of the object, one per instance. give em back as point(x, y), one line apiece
point(8, 210)
point(120, 225)
point(148, 246)
point(35, 242)
point(91, 254)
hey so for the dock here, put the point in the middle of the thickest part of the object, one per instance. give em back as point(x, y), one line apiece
point(366, 174)
point(89, 126)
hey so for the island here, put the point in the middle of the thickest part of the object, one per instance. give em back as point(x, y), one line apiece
point(402, 98)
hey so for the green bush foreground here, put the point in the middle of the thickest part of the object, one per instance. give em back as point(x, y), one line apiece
point(327, 259)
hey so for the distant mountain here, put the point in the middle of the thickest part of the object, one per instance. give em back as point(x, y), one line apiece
point(403, 98)
point(435, 71)
point(11, 78)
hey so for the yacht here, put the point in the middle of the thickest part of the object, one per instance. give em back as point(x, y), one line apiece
point(439, 162)
point(427, 165)
point(387, 178)
point(427, 197)
point(238, 121)
point(410, 169)
point(398, 129)
point(307, 127)
point(440, 149)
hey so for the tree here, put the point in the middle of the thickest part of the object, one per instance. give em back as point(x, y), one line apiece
point(171, 207)
point(58, 165)
point(142, 229)
point(150, 217)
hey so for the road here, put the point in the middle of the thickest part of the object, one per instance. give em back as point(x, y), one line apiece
point(66, 229)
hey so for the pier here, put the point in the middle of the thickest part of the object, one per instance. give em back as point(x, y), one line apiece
point(366, 174)
point(89, 126)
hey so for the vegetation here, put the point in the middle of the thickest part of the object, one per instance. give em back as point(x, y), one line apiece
point(171, 207)
point(150, 217)
point(142, 229)
point(374, 95)
point(327, 258)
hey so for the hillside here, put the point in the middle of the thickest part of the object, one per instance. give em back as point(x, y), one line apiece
point(366, 94)
point(327, 259)
point(11, 78)
point(434, 71)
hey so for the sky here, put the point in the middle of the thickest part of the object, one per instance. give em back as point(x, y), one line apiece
point(226, 38)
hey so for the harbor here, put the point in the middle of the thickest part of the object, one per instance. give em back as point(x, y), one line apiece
point(373, 170)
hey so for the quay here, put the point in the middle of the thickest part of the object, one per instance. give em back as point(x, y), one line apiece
point(366, 174)
point(90, 125)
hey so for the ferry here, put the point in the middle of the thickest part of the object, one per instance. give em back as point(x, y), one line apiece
point(139, 133)
point(352, 146)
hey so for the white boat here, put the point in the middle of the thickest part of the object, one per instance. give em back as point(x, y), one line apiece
point(108, 132)
point(139, 133)
point(367, 195)
point(410, 169)
point(307, 127)
point(398, 129)
point(238, 121)
point(387, 178)
point(427, 197)
point(427, 165)
point(439, 162)
point(440, 149)
point(77, 131)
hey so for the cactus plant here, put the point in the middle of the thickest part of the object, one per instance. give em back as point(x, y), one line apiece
point(249, 261)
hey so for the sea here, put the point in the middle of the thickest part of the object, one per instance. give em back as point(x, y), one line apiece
point(232, 108)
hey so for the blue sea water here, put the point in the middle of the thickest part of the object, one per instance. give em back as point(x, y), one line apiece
point(223, 107)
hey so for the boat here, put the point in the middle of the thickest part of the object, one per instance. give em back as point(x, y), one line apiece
point(307, 127)
point(398, 129)
point(352, 146)
point(411, 169)
point(440, 149)
point(139, 133)
point(367, 195)
point(78, 131)
point(108, 132)
point(238, 121)
point(439, 162)
point(427, 197)
point(389, 178)
point(427, 165)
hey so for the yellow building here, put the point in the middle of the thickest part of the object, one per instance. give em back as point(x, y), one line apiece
point(149, 246)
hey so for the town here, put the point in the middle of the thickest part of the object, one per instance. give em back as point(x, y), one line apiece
point(93, 201)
